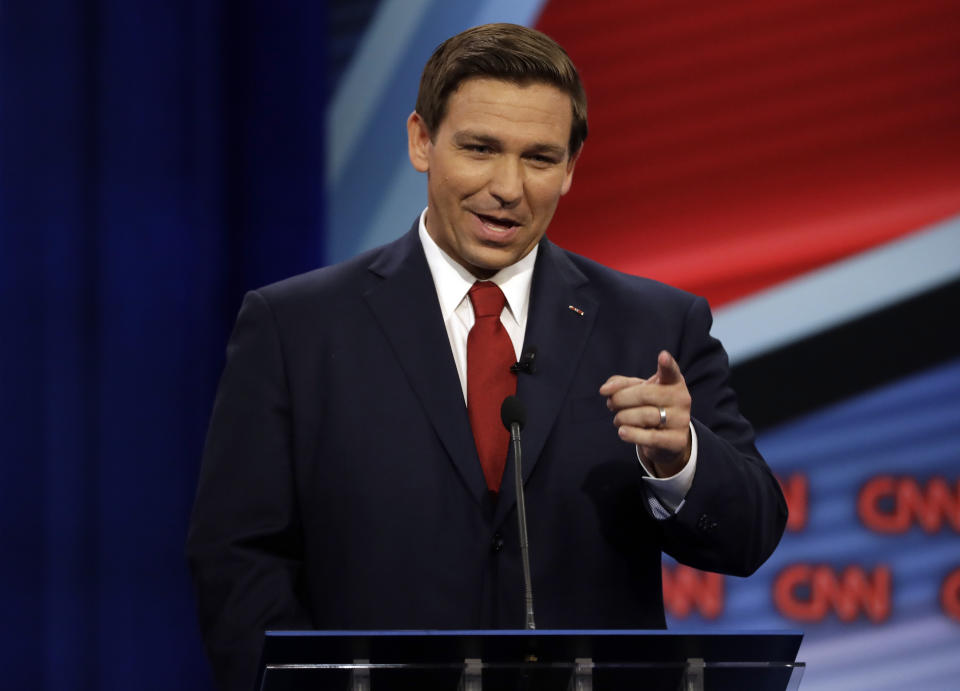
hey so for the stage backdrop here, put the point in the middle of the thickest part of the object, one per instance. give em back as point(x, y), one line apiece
point(156, 160)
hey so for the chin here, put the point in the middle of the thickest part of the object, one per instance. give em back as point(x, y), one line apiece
point(491, 263)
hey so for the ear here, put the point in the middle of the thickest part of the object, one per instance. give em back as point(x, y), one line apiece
point(418, 142)
point(568, 178)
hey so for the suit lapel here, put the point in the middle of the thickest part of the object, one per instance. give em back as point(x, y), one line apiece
point(559, 332)
point(404, 302)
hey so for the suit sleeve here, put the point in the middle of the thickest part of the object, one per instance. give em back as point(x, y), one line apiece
point(734, 513)
point(244, 545)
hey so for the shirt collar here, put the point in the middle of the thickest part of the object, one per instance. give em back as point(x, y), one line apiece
point(452, 281)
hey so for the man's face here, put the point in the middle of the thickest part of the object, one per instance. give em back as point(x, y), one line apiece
point(496, 167)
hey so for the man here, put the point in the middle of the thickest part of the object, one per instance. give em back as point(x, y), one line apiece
point(352, 478)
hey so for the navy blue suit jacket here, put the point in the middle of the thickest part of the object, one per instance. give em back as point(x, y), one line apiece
point(341, 489)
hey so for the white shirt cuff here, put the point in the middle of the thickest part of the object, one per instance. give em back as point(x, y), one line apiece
point(671, 491)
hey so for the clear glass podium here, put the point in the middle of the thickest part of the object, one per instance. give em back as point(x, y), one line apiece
point(530, 660)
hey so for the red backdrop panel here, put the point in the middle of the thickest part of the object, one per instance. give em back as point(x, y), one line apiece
point(734, 145)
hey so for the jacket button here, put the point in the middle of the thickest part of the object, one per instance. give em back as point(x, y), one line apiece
point(497, 542)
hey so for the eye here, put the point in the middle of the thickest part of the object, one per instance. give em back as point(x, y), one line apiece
point(543, 159)
point(478, 148)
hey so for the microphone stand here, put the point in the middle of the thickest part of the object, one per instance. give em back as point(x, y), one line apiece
point(522, 525)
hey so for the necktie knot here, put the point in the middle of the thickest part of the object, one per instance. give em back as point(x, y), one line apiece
point(487, 299)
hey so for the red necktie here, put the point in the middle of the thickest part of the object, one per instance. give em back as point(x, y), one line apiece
point(489, 379)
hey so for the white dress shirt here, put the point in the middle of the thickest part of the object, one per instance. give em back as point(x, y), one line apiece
point(453, 281)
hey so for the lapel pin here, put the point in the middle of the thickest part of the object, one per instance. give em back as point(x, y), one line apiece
point(575, 309)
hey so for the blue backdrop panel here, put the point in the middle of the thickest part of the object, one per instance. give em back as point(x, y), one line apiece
point(904, 435)
point(157, 160)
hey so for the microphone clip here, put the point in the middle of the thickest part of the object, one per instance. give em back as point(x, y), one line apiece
point(527, 362)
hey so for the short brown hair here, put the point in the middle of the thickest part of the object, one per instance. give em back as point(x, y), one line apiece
point(500, 51)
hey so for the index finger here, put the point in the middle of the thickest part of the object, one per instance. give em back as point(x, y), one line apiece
point(668, 371)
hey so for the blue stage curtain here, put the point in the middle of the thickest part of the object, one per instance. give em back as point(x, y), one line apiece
point(156, 160)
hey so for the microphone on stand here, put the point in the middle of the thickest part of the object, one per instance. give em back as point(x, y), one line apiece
point(514, 416)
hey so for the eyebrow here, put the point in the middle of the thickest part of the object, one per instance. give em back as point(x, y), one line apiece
point(465, 136)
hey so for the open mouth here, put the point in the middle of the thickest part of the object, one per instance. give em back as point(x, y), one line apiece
point(501, 224)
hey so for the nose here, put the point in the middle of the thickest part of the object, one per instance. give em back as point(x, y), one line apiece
point(506, 181)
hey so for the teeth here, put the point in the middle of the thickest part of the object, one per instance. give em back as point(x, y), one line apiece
point(494, 223)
